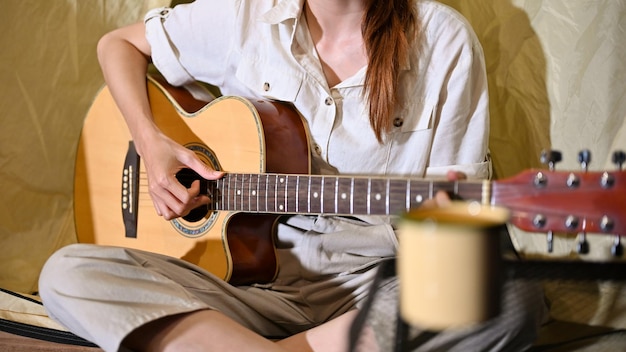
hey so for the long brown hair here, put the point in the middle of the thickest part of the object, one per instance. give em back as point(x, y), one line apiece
point(389, 27)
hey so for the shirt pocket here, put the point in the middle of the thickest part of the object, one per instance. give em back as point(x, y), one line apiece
point(418, 116)
point(271, 82)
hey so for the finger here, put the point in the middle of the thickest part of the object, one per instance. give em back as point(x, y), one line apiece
point(442, 199)
point(170, 211)
point(197, 199)
point(156, 206)
point(452, 175)
point(176, 195)
point(169, 206)
point(169, 198)
point(161, 208)
point(201, 168)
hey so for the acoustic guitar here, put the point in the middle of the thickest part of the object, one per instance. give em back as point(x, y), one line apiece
point(263, 148)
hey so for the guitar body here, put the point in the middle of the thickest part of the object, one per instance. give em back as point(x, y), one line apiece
point(112, 203)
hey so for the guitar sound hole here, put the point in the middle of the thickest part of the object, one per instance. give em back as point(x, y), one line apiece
point(186, 178)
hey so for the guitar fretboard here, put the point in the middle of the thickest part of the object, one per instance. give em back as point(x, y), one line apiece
point(341, 195)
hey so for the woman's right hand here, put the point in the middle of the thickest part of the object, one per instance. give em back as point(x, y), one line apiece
point(124, 55)
point(163, 159)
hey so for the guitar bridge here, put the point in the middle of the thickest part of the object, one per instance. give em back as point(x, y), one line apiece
point(129, 196)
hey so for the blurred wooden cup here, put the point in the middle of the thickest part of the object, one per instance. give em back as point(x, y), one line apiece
point(449, 265)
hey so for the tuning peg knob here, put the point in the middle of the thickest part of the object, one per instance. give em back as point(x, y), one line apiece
point(584, 158)
point(617, 250)
point(582, 246)
point(619, 157)
point(550, 158)
point(550, 241)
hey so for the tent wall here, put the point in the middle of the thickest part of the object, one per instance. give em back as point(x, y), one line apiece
point(48, 77)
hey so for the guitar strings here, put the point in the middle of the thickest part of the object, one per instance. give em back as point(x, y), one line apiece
point(249, 188)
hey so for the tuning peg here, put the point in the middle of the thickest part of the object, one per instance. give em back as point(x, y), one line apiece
point(550, 240)
point(617, 250)
point(584, 158)
point(550, 158)
point(582, 246)
point(619, 157)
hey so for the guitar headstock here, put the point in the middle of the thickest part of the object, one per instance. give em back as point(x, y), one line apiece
point(568, 202)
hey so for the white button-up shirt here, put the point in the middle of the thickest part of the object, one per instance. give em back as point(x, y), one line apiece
point(262, 49)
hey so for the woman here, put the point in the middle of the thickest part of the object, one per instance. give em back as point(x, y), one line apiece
point(386, 87)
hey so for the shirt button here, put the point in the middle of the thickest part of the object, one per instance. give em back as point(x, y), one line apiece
point(328, 101)
point(398, 122)
point(266, 86)
point(317, 149)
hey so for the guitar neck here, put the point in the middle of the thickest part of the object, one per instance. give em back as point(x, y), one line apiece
point(337, 195)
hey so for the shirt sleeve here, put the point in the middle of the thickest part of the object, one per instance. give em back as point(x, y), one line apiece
point(164, 54)
point(188, 42)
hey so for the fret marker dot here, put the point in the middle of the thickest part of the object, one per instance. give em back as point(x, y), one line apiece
point(419, 198)
point(378, 197)
point(315, 195)
point(254, 193)
point(282, 180)
point(344, 196)
point(238, 192)
point(281, 207)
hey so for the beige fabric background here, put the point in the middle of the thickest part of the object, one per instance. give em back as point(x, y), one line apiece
point(556, 73)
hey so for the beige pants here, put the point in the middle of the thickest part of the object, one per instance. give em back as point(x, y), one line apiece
point(104, 293)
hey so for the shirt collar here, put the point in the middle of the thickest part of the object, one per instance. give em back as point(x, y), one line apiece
point(291, 9)
point(284, 10)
